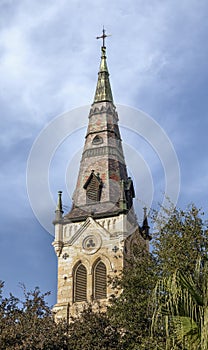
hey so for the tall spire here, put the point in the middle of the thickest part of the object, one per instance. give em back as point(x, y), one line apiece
point(103, 90)
point(107, 189)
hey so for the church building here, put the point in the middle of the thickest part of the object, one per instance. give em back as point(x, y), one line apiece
point(93, 240)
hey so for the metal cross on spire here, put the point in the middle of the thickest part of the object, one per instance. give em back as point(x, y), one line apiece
point(103, 36)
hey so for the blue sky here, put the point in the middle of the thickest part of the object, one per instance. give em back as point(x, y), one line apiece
point(49, 58)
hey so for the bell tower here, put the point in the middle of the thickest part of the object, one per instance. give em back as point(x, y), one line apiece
point(93, 240)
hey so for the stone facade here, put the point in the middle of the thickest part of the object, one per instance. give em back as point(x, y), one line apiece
point(88, 242)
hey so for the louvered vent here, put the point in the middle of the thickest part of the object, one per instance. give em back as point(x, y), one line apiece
point(80, 284)
point(100, 281)
point(93, 191)
point(93, 187)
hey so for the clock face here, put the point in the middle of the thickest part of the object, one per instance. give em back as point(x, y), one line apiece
point(91, 244)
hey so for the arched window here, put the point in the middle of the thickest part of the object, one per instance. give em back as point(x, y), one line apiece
point(80, 283)
point(99, 281)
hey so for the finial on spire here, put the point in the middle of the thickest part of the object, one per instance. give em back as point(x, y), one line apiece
point(103, 36)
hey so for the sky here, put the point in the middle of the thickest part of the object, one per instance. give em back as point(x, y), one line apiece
point(49, 59)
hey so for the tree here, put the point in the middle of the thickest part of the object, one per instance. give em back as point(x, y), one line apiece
point(92, 330)
point(182, 301)
point(131, 311)
point(29, 324)
point(180, 238)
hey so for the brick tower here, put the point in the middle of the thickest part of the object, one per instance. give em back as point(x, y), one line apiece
point(94, 238)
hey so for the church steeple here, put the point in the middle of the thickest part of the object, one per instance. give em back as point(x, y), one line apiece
point(90, 240)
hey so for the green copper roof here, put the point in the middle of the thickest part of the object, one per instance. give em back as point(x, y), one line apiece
point(103, 90)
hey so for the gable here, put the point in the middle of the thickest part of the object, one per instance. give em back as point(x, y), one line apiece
point(90, 227)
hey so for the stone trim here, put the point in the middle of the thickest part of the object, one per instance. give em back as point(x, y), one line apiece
point(86, 224)
point(102, 151)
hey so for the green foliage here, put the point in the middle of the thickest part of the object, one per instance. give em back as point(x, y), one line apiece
point(93, 330)
point(181, 240)
point(181, 237)
point(182, 301)
point(131, 312)
point(29, 324)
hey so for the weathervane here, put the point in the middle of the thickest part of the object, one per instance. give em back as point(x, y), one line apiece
point(103, 37)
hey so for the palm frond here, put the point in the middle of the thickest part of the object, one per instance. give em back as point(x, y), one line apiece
point(187, 330)
point(182, 300)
